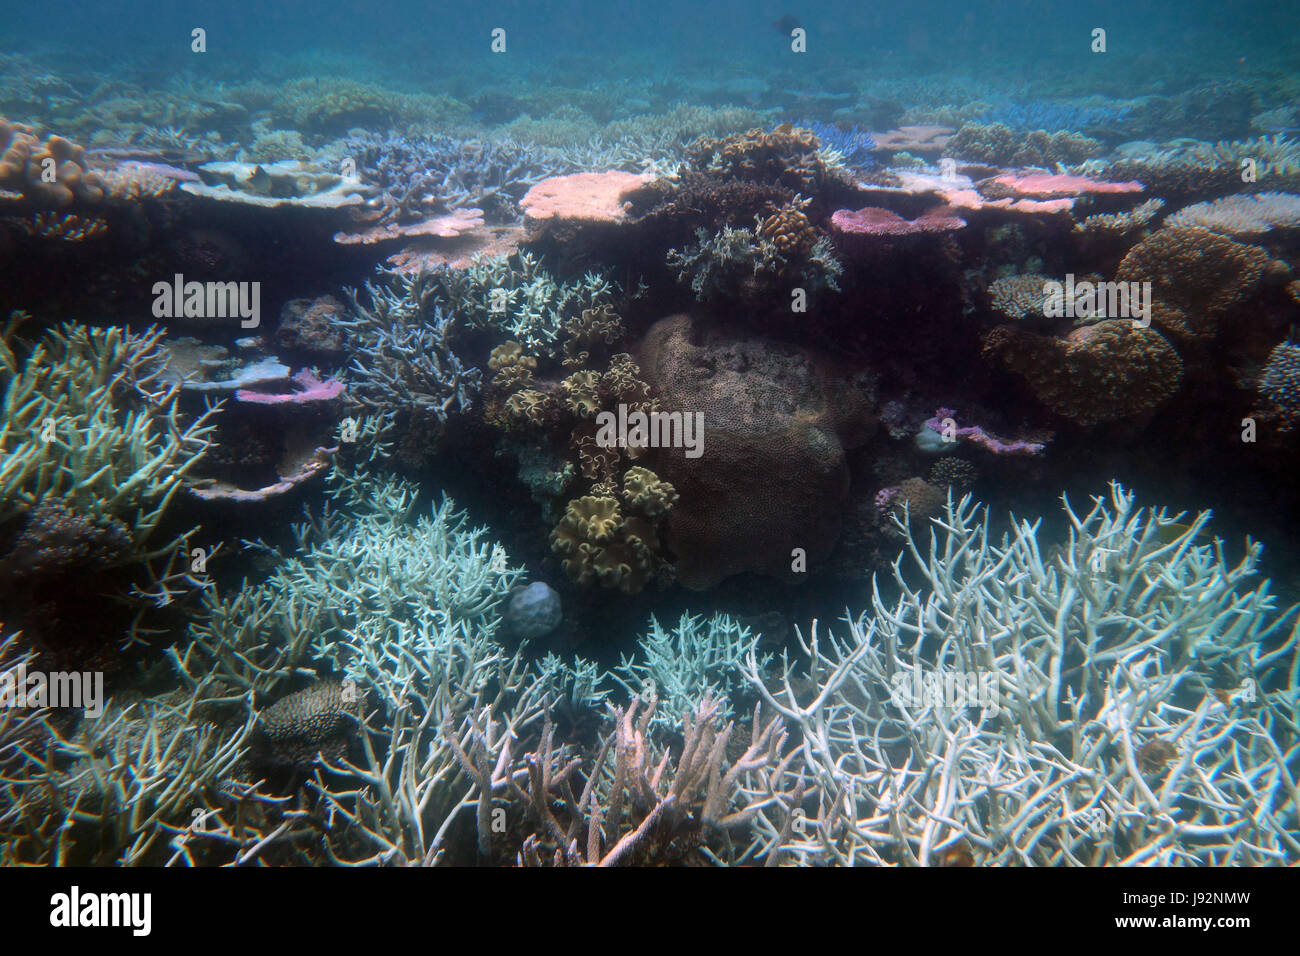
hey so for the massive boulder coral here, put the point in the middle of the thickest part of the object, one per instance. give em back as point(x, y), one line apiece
point(1195, 274)
point(1106, 372)
point(772, 477)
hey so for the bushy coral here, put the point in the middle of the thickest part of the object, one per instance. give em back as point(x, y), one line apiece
point(746, 265)
point(1106, 372)
point(1279, 384)
point(522, 300)
point(786, 156)
point(1003, 146)
point(1197, 272)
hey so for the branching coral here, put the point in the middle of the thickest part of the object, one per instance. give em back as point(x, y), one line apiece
point(93, 451)
point(695, 660)
point(403, 360)
point(743, 264)
point(515, 295)
point(639, 806)
point(418, 175)
point(1008, 706)
point(145, 783)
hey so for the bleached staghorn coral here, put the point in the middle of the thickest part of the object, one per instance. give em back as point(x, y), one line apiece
point(145, 783)
point(694, 660)
point(1134, 719)
point(86, 419)
point(89, 425)
point(406, 607)
point(641, 804)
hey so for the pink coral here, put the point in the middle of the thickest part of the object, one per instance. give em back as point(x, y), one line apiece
point(311, 389)
point(592, 197)
point(873, 221)
point(1044, 185)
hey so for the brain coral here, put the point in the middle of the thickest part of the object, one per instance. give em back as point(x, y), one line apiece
point(772, 475)
point(1098, 373)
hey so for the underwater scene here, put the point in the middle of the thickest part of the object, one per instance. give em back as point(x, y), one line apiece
point(676, 434)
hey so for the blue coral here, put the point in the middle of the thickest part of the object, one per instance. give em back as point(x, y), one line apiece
point(1053, 116)
point(854, 144)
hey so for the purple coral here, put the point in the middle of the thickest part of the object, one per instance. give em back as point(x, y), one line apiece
point(978, 436)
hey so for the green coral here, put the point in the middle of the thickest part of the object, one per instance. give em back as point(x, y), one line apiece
point(743, 264)
point(517, 297)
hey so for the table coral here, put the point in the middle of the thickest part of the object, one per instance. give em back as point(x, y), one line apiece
point(1242, 214)
point(584, 197)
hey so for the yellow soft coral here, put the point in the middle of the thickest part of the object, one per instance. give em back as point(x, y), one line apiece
point(513, 367)
point(581, 393)
point(644, 491)
point(599, 545)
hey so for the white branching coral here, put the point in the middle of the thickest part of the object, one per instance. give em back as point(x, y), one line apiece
point(1111, 701)
point(682, 666)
